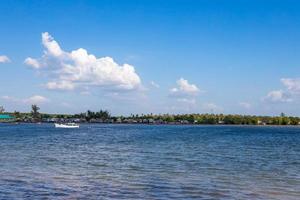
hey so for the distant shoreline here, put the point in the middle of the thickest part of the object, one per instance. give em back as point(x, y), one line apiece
point(104, 117)
point(220, 125)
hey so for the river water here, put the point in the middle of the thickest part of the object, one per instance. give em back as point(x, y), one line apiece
point(149, 162)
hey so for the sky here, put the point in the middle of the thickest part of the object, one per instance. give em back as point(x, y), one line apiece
point(168, 56)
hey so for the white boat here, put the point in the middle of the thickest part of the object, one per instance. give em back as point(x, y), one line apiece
point(66, 125)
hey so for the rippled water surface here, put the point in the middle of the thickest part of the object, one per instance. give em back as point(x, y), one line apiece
point(149, 162)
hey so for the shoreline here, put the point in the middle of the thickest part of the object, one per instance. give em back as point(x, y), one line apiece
point(149, 124)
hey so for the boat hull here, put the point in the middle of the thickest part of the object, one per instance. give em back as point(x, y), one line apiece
point(66, 126)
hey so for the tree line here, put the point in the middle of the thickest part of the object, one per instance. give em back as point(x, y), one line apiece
point(105, 116)
point(282, 119)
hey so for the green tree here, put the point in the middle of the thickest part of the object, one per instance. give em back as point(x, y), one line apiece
point(17, 114)
point(35, 113)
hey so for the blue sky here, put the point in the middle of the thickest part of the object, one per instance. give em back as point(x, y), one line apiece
point(151, 56)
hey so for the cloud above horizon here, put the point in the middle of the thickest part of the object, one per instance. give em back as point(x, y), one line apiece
point(4, 59)
point(185, 95)
point(288, 94)
point(292, 85)
point(278, 96)
point(184, 89)
point(36, 99)
point(78, 69)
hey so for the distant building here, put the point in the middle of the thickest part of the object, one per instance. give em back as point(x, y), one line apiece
point(184, 121)
point(6, 118)
point(259, 122)
point(151, 121)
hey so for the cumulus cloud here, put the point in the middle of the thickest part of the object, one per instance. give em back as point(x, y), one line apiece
point(36, 99)
point(78, 69)
point(4, 59)
point(32, 62)
point(245, 105)
point(292, 85)
point(184, 88)
point(278, 96)
point(185, 94)
point(290, 92)
point(60, 85)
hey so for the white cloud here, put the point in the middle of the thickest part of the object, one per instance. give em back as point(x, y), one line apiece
point(32, 62)
point(60, 85)
point(288, 94)
point(278, 96)
point(292, 85)
point(184, 88)
point(51, 45)
point(245, 105)
point(185, 95)
point(78, 69)
point(36, 99)
point(4, 59)
point(153, 84)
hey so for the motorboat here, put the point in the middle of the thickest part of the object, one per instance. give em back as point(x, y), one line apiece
point(66, 125)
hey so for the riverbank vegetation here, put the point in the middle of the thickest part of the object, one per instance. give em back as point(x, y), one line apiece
point(103, 116)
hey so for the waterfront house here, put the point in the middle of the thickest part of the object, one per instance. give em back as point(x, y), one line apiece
point(151, 121)
point(6, 118)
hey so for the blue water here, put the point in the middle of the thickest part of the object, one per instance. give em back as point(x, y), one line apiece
point(149, 162)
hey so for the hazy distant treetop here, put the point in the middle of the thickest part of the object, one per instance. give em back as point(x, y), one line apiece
point(2, 109)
